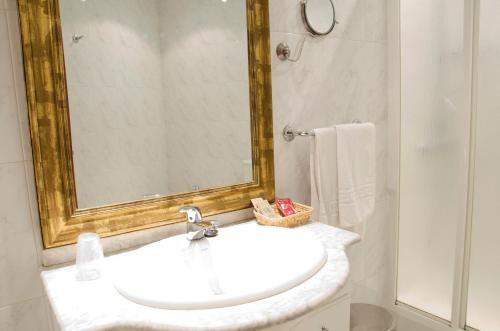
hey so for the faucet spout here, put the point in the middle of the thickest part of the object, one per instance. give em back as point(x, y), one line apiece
point(193, 214)
point(196, 228)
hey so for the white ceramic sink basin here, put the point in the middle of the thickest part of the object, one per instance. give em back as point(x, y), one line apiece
point(243, 263)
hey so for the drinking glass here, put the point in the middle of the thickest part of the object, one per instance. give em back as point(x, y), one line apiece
point(89, 257)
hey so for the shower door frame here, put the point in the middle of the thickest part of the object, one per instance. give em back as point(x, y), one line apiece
point(463, 243)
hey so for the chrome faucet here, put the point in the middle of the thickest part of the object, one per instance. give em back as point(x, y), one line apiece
point(196, 228)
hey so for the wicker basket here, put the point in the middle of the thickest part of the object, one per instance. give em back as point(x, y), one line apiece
point(302, 217)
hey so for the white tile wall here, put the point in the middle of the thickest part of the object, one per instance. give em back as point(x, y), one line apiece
point(22, 302)
point(339, 78)
point(29, 315)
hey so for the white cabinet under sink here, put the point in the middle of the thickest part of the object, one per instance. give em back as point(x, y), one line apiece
point(333, 316)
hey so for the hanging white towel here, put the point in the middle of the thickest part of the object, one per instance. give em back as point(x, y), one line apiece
point(356, 173)
point(342, 161)
point(324, 187)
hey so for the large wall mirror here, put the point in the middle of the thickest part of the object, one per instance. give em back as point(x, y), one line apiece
point(138, 107)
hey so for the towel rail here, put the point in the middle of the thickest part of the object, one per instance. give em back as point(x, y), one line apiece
point(289, 133)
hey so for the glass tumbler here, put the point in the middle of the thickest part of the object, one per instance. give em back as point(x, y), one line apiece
point(89, 257)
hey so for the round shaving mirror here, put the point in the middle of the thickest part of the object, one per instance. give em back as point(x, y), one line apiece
point(318, 16)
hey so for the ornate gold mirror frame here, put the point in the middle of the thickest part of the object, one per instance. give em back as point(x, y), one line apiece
point(61, 220)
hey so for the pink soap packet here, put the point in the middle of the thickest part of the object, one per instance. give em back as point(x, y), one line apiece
point(285, 206)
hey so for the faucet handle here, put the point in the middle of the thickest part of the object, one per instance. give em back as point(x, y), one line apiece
point(212, 230)
point(193, 214)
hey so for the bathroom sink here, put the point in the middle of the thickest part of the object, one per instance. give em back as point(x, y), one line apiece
point(244, 263)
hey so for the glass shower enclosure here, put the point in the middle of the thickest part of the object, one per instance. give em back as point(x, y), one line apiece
point(449, 187)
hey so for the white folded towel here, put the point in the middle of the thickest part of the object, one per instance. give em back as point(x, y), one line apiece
point(343, 175)
point(324, 187)
point(356, 172)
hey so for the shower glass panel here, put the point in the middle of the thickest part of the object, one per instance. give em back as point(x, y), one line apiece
point(434, 144)
point(484, 279)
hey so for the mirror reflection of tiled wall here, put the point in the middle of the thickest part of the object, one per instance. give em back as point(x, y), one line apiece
point(159, 97)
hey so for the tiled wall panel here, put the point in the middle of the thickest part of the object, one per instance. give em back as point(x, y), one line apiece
point(340, 78)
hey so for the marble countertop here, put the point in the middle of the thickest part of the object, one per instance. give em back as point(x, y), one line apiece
point(96, 305)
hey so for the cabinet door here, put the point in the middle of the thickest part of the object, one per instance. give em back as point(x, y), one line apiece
point(333, 317)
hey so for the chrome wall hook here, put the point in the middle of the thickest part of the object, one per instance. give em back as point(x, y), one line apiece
point(285, 53)
point(77, 37)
